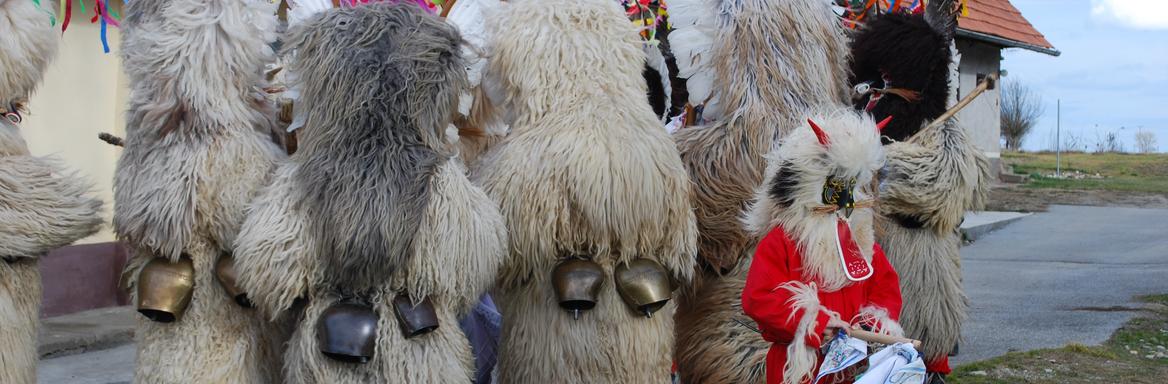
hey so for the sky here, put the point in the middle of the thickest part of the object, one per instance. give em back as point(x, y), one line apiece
point(1112, 75)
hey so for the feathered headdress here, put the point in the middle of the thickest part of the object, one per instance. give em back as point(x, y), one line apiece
point(814, 191)
point(900, 66)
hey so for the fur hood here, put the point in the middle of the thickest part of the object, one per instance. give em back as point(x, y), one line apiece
point(382, 82)
point(903, 51)
point(198, 128)
point(30, 42)
point(796, 172)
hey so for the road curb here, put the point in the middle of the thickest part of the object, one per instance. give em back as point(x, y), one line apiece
point(974, 229)
point(86, 331)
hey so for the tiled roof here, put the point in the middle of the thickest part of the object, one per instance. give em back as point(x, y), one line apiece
point(999, 18)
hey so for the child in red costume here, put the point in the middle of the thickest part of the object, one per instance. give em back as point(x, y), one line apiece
point(818, 269)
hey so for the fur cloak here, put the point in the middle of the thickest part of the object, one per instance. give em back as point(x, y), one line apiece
point(42, 205)
point(756, 81)
point(761, 65)
point(930, 182)
point(587, 169)
point(374, 204)
point(905, 52)
point(197, 150)
point(932, 177)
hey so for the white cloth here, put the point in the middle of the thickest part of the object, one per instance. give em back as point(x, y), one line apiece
point(896, 364)
point(842, 352)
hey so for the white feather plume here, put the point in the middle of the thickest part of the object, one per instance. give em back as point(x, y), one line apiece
point(692, 41)
point(470, 18)
point(300, 10)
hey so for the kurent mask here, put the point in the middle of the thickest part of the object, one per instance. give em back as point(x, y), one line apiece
point(840, 192)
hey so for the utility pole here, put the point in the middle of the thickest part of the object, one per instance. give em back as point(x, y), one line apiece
point(1058, 144)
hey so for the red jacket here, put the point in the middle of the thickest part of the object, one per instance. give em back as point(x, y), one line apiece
point(777, 262)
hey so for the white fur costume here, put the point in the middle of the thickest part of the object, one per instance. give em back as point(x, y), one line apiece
point(42, 205)
point(756, 66)
point(587, 169)
point(404, 63)
point(198, 149)
point(930, 182)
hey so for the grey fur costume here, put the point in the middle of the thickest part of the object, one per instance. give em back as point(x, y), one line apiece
point(587, 170)
point(374, 203)
point(197, 151)
point(42, 205)
point(766, 64)
point(930, 181)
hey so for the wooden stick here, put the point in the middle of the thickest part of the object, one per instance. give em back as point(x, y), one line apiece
point(873, 337)
point(447, 7)
point(111, 139)
point(986, 84)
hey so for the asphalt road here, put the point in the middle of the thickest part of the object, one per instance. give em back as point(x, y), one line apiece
point(1068, 275)
point(109, 366)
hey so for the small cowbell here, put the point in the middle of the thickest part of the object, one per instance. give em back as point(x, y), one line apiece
point(577, 283)
point(229, 277)
point(165, 288)
point(644, 285)
point(347, 332)
point(415, 320)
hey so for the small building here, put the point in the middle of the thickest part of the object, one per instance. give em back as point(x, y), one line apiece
point(990, 27)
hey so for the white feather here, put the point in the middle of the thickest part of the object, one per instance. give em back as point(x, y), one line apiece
point(692, 42)
point(469, 17)
point(301, 10)
point(656, 60)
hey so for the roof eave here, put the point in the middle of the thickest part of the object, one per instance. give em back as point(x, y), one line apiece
point(1004, 42)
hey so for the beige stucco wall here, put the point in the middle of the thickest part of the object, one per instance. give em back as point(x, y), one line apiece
point(83, 94)
point(982, 118)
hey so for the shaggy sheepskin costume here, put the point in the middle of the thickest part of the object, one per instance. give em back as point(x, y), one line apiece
point(753, 68)
point(374, 204)
point(588, 171)
point(811, 264)
point(198, 149)
point(42, 205)
point(929, 184)
point(933, 177)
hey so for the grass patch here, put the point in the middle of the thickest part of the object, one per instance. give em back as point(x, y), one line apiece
point(1118, 171)
point(1136, 353)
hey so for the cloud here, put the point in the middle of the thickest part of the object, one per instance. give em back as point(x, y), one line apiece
point(1140, 14)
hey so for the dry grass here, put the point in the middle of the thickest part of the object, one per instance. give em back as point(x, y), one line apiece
point(1136, 353)
point(1118, 171)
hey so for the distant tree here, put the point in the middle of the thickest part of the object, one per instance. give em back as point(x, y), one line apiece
point(1021, 108)
point(1073, 142)
point(1108, 142)
point(1146, 142)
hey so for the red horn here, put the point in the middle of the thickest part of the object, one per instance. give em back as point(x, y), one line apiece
point(819, 133)
point(883, 123)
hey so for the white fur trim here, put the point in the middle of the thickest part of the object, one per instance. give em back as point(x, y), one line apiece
point(803, 359)
point(884, 324)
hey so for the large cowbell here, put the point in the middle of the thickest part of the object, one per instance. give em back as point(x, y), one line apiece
point(347, 332)
point(415, 319)
point(644, 285)
point(577, 284)
point(165, 288)
point(229, 278)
